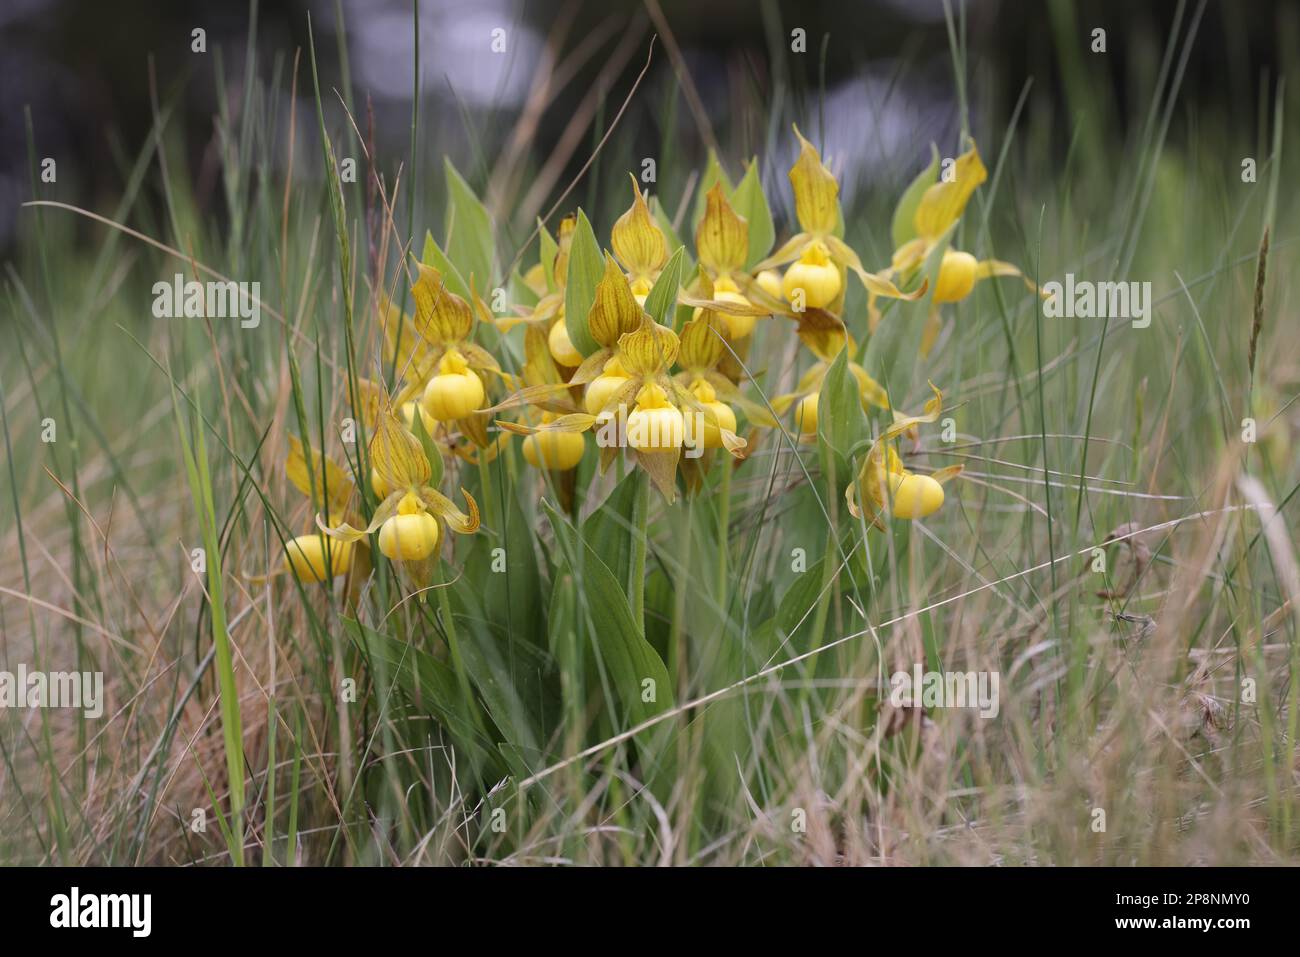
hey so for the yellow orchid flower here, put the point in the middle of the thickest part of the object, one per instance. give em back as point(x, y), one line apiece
point(310, 557)
point(614, 312)
point(407, 519)
point(557, 451)
point(373, 399)
point(701, 352)
point(632, 371)
point(455, 391)
point(884, 487)
point(939, 208)
point(808, 389)
point(445, 322)
point(820, 257)
point(445, 368)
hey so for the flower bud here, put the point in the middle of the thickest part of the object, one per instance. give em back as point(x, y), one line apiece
point(455, 391)
point(956, 276)
point(816, 275)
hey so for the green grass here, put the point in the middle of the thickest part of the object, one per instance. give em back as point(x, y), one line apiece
point(505, 718)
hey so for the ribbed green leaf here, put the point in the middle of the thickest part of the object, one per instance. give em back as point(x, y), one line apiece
point(748, 200)
point(903, 228)
point(586, 266)
point(469, 233)
point(662, 301)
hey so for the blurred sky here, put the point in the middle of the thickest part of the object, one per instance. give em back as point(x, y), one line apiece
point(83, 68)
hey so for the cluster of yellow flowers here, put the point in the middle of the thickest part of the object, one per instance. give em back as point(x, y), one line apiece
point(655, 366)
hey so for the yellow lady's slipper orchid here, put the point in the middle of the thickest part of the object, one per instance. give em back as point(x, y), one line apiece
point(605, 386)
point(455, 391)
point(812, 280)
point(701, 350)
point(956, 276)
point(314, 558)
point(939, 208)
point(411, 535)
point(914, 496)
point(644, 351)
point(885, 487)
point(871, 392)
point(816, 200)
point(769, 280)
point(444, 323)
point(614, 312)
point(407, 520)
point(554, 450)
point(655, 425)
point(941, 205)
point(544, 389)
point(562, 348)
point(738, 324)
point(715, 416)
